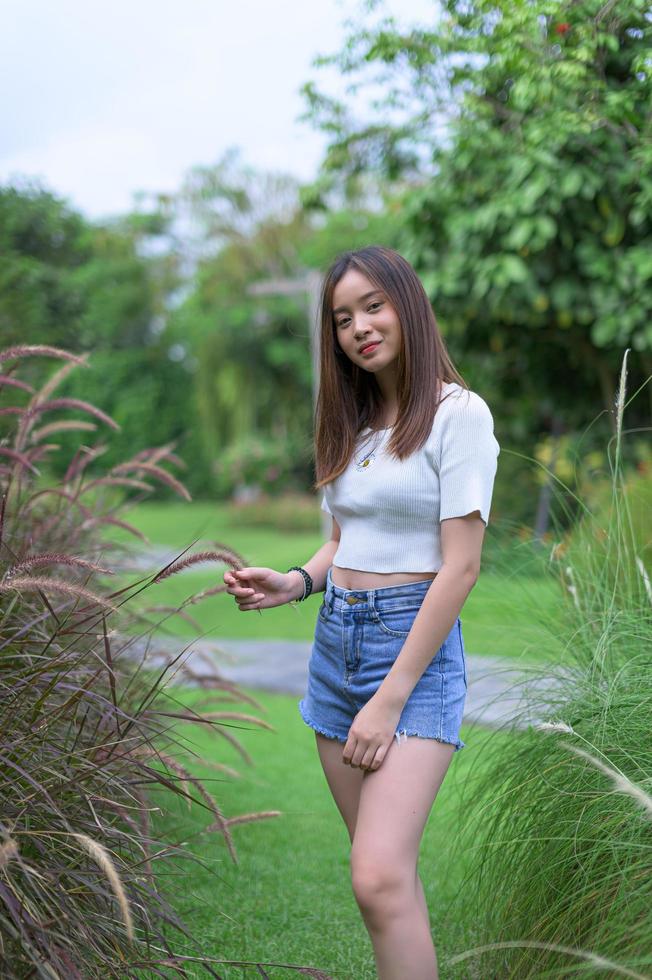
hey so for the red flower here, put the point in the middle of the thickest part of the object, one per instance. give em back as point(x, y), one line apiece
point(562, 28)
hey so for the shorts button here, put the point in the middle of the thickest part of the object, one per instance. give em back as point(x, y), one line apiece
point(352, 599)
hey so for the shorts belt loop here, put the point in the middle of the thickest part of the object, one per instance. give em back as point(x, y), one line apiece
point(331, 595)
point(372, 603)
point(328, 591)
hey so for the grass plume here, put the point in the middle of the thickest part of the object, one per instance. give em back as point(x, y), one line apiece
point(102, 858)
point(569, 851)
point(8, 852)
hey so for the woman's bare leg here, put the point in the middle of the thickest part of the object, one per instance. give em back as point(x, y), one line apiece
point(394, 804)
point(345, 784)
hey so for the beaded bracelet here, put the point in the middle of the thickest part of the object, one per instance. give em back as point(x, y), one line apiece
point(307, 582)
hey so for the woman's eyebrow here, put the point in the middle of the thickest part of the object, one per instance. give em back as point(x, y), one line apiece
point(361, 299)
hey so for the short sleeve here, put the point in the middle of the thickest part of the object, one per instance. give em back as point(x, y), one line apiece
point(466, 454)
point(324, 505)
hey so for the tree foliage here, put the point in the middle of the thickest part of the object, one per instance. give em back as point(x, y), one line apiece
point(252, 356)
point(65, 281)
point(529, 210)
point(183, 349)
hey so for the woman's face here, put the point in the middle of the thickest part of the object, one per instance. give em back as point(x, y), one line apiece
point(364, 318)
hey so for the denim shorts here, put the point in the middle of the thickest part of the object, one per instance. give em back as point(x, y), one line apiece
point(358, 635)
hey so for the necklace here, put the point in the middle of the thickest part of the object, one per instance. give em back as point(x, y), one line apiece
point(361, 464)
point(364, 461)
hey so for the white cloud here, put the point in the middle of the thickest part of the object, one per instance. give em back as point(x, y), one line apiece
point(105, 100)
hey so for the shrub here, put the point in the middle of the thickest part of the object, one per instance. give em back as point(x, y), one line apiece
point(267, 465)
point(289, 512)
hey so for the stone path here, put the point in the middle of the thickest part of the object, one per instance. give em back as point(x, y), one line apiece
point(500, 693)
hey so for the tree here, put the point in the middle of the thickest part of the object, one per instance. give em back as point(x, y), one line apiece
point(70, 282)
point(253, 375)
point(67, 282)
point(533, 222)
point(41, 241)
point(529, 214)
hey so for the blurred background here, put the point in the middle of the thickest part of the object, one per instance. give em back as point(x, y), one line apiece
point(174, 179)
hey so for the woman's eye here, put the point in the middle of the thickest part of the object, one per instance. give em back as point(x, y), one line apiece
point(370, 309)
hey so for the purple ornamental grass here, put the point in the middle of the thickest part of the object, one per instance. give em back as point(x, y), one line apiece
point(92, 741)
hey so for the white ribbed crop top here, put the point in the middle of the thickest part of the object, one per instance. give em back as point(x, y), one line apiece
point(390, 511)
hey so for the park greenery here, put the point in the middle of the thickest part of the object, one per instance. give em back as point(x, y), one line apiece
point(505, 148)
point(528, 216)
point(94, 752)
point(531, 221)
point(566, 815)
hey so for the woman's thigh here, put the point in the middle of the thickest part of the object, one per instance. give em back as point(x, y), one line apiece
point(394, 804)
point(344, 782)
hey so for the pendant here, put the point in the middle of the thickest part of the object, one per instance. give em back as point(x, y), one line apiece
point(362, 464)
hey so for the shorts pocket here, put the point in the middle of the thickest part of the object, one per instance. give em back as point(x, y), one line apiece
point(323, 611)
point(398, 622)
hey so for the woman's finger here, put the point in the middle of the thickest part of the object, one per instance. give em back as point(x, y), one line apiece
point(357, 755)
point(240, 594)
point(381, 752)
point(247, 573)
point(368, 758)
point(235, 587)
point(252, 601)
point(349, 750)
point(356, 761)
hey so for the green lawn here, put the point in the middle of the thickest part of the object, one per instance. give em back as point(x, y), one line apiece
point(502, 615)
point(289, 900)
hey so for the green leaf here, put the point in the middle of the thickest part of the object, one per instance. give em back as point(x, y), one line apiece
point(520, 234)
point(546, 228)
point(571, 182)
point(514, 268)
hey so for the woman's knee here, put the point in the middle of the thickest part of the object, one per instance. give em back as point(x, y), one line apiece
point(380, 884)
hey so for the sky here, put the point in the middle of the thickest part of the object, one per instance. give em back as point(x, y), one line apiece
point(101, 100)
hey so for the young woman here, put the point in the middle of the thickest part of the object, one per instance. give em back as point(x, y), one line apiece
point(407, 457)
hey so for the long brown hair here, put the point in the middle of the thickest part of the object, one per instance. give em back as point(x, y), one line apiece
point(349, 398)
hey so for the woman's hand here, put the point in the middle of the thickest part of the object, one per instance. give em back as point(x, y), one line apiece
point(262, 588)
point(371, 734)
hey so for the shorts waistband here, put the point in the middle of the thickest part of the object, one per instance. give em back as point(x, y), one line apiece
point(370, 596)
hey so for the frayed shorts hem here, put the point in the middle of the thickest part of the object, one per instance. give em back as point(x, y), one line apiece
point(402, 733)
point(405, 733)
point(328, 733)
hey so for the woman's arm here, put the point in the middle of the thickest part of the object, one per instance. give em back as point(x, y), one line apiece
point(461, 543)
point(263, 588)
point(321, 561)
point(372, 730)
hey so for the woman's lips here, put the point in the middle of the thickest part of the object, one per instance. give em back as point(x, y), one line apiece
point(369, 349)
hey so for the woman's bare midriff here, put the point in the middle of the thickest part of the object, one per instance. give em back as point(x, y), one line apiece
point(352, 578)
